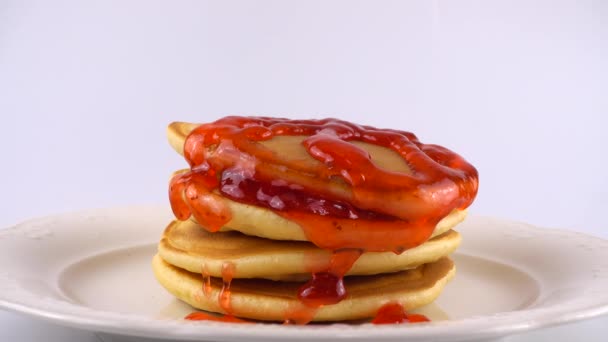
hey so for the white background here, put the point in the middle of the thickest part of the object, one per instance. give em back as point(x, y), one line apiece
point(517, 87)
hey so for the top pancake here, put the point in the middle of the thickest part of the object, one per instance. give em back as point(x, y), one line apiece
point(263, 222)
point(292, 163)
point(290, 148)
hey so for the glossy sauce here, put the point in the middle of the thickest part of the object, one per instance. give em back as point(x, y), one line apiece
point(206, 281)
point(393, 313)
point(327, 286)
point(191, 193)
point(202, 316)
point(225, 157)
point(228, 269)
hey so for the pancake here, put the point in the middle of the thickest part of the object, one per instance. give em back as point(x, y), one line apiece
point(285, 158)
point(269, 300)
point(188, 246)
point(291, 149)
point(259, 221)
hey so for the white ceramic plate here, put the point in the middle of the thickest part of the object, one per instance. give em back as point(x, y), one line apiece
point(91, 270)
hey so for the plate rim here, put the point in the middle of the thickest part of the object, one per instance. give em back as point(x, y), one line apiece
point(484, 326)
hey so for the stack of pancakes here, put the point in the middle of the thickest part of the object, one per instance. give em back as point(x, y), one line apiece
point(255, 264)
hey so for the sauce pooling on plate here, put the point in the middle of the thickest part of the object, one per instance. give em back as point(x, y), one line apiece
point(394, 313)
point(202, 316)
point(376, 210)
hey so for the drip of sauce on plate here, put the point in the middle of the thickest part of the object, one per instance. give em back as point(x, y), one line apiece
point(226, 157)
point(202, 316)
point(390, 313)
point(394, 313)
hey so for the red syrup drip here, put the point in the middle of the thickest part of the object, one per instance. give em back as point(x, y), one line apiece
point(327, 286)
point(323, 289)
point(224, 302)
point(206, 280)
point(228, 269)
point(201, 316)
point(224, 156)
point(190, 194)
point(393, 313)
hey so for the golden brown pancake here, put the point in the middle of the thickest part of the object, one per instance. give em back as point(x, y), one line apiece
point(189, 246)
point(304, 170)
point(269, 300)
point(290, 148)
point(259, 221)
